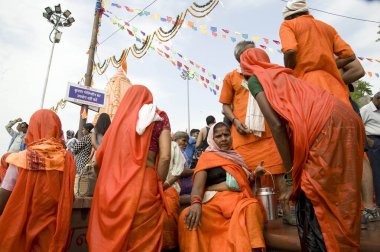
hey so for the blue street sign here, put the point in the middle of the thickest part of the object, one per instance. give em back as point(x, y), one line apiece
point(85, 95)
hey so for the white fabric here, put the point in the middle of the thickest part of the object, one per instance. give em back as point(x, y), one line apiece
point(254, 118)
point(177, 165)
point(293, 7)
point(147, 115)
point(208, 195)
point(9, 181)
point(371, 119)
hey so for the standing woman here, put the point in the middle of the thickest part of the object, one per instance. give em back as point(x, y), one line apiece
point(100, 130)
point(319, 139)
point(36, 196)
point(82, 150)
point(127, 211)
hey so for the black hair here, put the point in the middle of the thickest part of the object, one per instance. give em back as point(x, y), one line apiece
point(221, 125)
point(25, 124)
point(102, 124)
point(194, 131)
point(210, 119)
point(295, 15)
point(88, 127)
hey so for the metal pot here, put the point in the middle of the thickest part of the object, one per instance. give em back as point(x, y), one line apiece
point(267, 197)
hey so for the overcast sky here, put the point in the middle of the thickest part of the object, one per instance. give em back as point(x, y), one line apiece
point(25, 50)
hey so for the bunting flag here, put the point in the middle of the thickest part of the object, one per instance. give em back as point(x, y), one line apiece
point(234, 36)
point(196, 10)
point(184, 64)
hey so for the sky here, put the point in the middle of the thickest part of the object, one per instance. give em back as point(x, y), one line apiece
point(25, 50)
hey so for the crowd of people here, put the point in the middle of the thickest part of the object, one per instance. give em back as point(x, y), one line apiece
point(192, 191)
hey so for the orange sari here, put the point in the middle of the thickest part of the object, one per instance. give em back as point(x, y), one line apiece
point(326, 136)
point(37, 216)
point(127, 210)
point(3, 166)
point(170, 233)
point(231, 221)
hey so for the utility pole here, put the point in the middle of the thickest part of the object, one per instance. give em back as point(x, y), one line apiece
point(90, 63)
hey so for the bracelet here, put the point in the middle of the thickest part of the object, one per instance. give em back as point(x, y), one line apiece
point(196, 199)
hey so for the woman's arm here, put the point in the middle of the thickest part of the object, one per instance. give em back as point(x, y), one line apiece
point(193, 215)
point(93, 141)
point(277, 128)
point(164, 143)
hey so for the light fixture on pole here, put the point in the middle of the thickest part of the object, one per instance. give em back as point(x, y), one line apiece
point(186, 75)
point(58, 19)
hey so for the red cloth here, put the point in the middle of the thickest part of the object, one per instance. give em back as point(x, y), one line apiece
point(127, 210)
point(326, 138)
point(37, 216)
point(3, 166)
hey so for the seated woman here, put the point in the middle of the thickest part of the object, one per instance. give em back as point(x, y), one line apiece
point(182, 139)
point(36, 196)
point(127, 210)
point(320, 140)
point(224, 215)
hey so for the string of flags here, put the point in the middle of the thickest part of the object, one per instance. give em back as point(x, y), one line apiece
point(209, 80)
point(270, 45)
point(196, 10)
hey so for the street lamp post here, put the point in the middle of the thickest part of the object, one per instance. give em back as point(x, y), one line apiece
point(188, 76)
point(58, 19)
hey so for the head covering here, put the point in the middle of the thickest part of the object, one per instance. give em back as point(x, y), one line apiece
point(294, 100)
point(44, 124)
point(229, 154)
point(293, 7)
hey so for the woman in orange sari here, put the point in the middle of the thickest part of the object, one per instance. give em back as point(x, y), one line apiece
point(224, 215)
point(36, 196)
point(127, 211)
point(319, 139)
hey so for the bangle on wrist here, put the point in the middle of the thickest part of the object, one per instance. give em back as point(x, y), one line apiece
point(196, 199)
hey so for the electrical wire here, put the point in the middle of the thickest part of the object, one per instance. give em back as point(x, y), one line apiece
point(339, 15)
point(113, 33)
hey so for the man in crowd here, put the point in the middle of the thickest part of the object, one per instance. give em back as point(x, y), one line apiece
point(309, 46)
point(17, 142)
point(202, 136)
point(190, 148)
point(253, 147)
point(371, 117)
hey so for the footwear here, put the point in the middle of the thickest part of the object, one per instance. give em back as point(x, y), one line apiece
point(363, 222)
point(372, 214)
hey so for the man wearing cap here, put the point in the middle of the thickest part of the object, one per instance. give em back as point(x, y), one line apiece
point(309, 46)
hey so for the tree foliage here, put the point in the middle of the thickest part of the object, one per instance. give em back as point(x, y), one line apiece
point(362, 89)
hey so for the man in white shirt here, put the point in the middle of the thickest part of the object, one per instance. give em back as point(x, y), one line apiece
point(17, 142)
point(371, 118)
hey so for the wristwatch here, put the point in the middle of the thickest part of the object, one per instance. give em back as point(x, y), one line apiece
point(288, 179)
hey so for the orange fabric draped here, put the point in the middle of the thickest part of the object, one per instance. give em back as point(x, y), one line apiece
point(3, 166)
point(316, 43)
point(231, 221)
point(37, 216)
point(253, 149)
point(126, 212)
point(326, 138)
point(170, 239)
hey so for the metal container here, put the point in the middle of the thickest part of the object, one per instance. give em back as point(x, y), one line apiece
point(267, 197)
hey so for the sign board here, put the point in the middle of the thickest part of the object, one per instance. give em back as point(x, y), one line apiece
point(85, 95)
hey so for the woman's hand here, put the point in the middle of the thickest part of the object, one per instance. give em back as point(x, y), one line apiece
point(193, 216)
point(285, 194)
